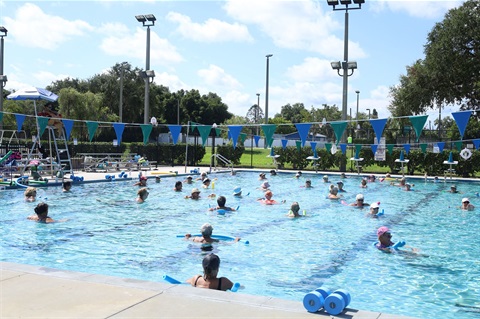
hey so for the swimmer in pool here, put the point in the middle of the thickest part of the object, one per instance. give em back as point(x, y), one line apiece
point(67, 186)
point(265, 186)
point(221, 201)
point(206, 231)
point(267, 200)
point(178, 186)
point(466, 204)
point(41, 214)
point(142, 182)
point(211, 265)
point(453, 189)
point(30, 194)
point(363, 183)
point(385, 242)
point(333, 193)
point(308, 184)
point(340, 187)
point(374, 209)
point(359, 201)
point(294, 209)
point(195, 194)
point(142, 195)
point(188, 180)
point(325, 179)
point(206, 183)
point(262, 176)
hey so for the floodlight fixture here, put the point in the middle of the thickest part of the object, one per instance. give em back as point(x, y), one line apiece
point(336, 65)
point(345, 2)
point(3, 78)
point(141, 18)
point(332, 2)
point(150, 73)
point(150, 17)
point(351, 65)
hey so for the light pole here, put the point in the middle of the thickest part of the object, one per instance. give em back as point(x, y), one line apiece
point(3, 77)
point(178, 112)
point(368, 128)
point(147, 20)
point(214, 134)
point(120, 103)
point(268, 56)
point(257, 111)
point(345, 65)
point(358, 98)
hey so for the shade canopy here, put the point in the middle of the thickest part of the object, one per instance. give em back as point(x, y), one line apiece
point(33, 93)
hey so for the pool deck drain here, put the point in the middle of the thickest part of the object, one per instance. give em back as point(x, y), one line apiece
point(38, 292)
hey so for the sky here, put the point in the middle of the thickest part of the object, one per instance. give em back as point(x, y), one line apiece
point(221, 47)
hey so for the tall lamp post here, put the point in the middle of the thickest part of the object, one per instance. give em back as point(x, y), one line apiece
point(147, 20)
point(358, 99)
point(257, 111)
point(3, 77)
point(214, 134)
point(345, 65)
point(268, 56)
point(120, 103)
point(368, 128)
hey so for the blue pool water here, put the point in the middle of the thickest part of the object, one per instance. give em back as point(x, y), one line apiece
point(108, 233)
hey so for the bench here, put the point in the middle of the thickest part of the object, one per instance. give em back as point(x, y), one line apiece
point(93, 162)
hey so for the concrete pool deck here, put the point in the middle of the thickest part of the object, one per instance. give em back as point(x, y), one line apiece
point(38, 292)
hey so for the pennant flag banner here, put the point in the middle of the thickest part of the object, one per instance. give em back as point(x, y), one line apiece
point(418, 123)
point(234, 131)
point(68, 127)
point(476, 142)
point(461, 118)
point(343, 147)
point(20, 118)
point(257, 139)
point(390, 148)
point(119, 127)
point(423, 147)
point(328, 146)
point(303, 129)
point(338, 128)
point(204, 132)
point(92, 128)
point(218, 132)
point(268, 130)
point(374, 148)
point(407, 148)
point(243, 137)
point(313, 145)
point(441, 146)
point(402, 157)
point(458, 145)
point(450, 158)
point(1, 116)
point(42, 124)
point(299, 145)
point(284, 144)
point(175, 131)
point(378, 127)
point(146, 130)
point(358, 147)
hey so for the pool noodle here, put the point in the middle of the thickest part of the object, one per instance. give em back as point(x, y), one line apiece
point(171, 280)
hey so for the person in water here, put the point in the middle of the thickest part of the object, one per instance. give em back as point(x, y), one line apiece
point(142, 195)
point(221, 201)
point(294, 210)
point(41, 214)
point(211, 265)
point(206, 238)
point(30, 194)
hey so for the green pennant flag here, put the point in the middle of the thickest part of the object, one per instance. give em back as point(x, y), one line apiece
point(1, 116)
point(358, 147)
point(328, 146)
point(299, 145)
point(192, 127)
point(418, 123)
point(146, 130)
point(268, 130)
point(218, 132)
point(390, 148)
point(42, 124)
point(423, 147)
point(338, 128)
point(458, 145)
point(204, 132)
point(243, 137)
point(92, 127)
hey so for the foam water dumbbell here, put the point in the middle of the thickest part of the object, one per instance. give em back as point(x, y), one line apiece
point(336, 302)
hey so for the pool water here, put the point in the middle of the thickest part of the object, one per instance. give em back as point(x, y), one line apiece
point(106, 232)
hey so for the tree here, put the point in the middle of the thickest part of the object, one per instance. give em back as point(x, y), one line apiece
point(295, 113)
point(450, 72)
point(255, 115)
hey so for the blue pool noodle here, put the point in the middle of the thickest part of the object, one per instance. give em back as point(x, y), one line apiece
point(171, 280)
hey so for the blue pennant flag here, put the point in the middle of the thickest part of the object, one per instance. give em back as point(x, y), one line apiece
point(284, 143)
point(303, 129)
point(441, 146)
point(68, 127)
point(343, 147)
point(234, 131)
point(461, 118)
point(407, 148)
point(257, 139)
point(374, 148)
point(20, 119)
point(175, 131)
point(119, 127)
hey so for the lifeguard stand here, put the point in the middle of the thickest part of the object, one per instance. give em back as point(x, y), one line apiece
point(402, 160)
point(450, 162)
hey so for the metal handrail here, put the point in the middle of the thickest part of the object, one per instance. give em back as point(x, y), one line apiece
point(222, 159)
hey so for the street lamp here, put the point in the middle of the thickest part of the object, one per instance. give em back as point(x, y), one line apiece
point(358, 97)
point(345, 65)
point(214, 134)
point(268, 56)
point(257, 111)
point(3, 77)
point(147, 20)
point(368, 128)
point(120, 103)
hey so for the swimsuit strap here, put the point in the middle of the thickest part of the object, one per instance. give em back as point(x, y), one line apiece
point(219, 283)
point(195, 284)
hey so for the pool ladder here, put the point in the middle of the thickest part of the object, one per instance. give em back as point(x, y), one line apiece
point(221, 158)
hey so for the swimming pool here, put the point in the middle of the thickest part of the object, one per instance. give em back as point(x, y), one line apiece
point(108, 233)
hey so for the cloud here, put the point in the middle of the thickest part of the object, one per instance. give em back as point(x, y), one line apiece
point(216, 77)
point(429, 9)
point(299, 25)
point(173, 82)
point(36, 29)
point(311, 70)
point(212, 30)
point(162, 52)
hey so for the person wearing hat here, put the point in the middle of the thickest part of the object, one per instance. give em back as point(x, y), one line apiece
point(265, 186)
point(206, 183)
point(374, 209)
point(384, 239)
point(188, 180)
point(206, 238)
point(308, 184)
point(466, 204)
point(237, 192)
point(209, 280)
point(453, 189)
point(195, 194)
point(142, 182)
point(325, 179)
point(267, 200)
point(340, 187)
point(262, 176)
point(359, 201)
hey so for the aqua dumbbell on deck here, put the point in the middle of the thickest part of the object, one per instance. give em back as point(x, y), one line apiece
point(336, 302)
point(315, 300)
